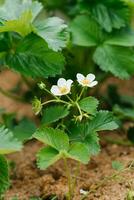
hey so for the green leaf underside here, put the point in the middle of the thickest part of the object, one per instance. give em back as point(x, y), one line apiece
point(53, 137)
point(22, 25)
point(117, 60)
point(54, 113)
point(12, 10)
point(4, 175)
point(53, 31)
point(79, 152)
point(24, 130)
point(89, 105)
point(32, 57)
point(8, 143)
point(46, 157)
point(85, 31)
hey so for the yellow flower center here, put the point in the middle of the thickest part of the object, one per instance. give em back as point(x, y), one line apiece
point(63, 90)
point(85, 81)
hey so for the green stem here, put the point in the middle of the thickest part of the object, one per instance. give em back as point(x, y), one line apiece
point(47, 102)
point(70, 99)
point(79, 109)
point(82, 91)
point(10, 95)
point(58, 100)
point(68, 174)
point(75, 177)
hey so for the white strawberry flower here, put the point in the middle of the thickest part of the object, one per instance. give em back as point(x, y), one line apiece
point(63, 87)
point(87, 81)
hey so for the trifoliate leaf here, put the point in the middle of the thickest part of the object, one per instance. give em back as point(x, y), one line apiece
point(32, 57)
point(12, 10)
point(104, 120)
point(46, 157)
point(8, 143)
point(53, 137)
point(54, 113)
point(109, 14)
point(85, 31)
point(79, 152)
point(4, 175)
point(82, 133)
point(109, 17)
point(89, 105)
point(117, 60)
point(53, 31)
point(22, 25)
point(24, 130)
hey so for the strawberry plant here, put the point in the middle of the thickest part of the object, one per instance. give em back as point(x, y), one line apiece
point(49, 39)
point(75, 125)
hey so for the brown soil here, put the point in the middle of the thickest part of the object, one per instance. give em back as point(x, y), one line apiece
point(8, 80)
point(28, 181)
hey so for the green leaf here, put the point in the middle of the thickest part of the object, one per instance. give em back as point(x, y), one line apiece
point(4, 175)
point(117, 165)
point(124, 113)
point(53, 31)
point(32, 57)
point(22, 25)
point(89, 105)
point(123, 37)
point(54, 113)
point(53, 137)
point(8, 143)
point(46, 157)
point(92, 143)
point(104, 120)
point(24, 130)
point(82, 133)
point(79, 152)
point(109, 17)
point(85, 31)
point(13, 10)
point(117, 60)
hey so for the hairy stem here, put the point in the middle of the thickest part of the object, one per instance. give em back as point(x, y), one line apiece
point(75, 177)
point(68, 174)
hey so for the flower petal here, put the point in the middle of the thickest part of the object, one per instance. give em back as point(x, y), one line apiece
point(61, 82)
point(55, 90)
point(90, 77)
point(69, 83)
point(93, 84)
point(80, 77)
